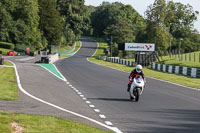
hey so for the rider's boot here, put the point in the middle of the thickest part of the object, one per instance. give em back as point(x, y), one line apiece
point(128, 88)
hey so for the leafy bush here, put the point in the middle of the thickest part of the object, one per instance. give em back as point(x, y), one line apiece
point(7, 45)
point(22, 48)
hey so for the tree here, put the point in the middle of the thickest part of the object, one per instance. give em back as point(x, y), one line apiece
point(183, 24)
point(21, 19)
point(26, 15)
point(107, 13)
point(50, 22)
point(158, 18)
point(76, 18)
point(6, 23)
point(121, 31)
point(166, 20)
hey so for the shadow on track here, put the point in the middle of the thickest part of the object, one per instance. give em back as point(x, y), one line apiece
point(187, 121)
point(110, 99)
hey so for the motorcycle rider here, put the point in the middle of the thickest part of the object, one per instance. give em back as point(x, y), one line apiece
point(136, 71)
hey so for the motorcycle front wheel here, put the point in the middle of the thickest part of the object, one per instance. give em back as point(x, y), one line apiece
point(137, 94)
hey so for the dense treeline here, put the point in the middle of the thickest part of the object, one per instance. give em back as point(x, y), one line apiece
point(38, 24)
point(167, 24)
point(170, 23)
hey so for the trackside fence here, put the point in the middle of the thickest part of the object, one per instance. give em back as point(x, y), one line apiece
point(120, 61)
point(187, 71)
point(182, 70)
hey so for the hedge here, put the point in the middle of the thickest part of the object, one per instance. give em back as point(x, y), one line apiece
point(7, 45)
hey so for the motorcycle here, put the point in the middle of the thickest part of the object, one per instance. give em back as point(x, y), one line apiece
point(137, 88)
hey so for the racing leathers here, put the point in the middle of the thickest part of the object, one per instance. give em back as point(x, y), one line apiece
point(132, 76)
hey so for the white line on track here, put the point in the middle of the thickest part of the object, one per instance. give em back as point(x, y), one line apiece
point(84, 98)
point(52, 73)
point(92, 106)
point(60, 73)
point(60, 108)
point(97, 110)
point(102, 116)
point(88, 102)
point(108, 123)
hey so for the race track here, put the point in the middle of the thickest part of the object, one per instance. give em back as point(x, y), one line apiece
point(163, 107)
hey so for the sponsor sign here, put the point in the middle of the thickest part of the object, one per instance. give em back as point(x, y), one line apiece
point(139, 47)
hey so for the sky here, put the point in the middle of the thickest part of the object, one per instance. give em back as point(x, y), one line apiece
point(141, 5)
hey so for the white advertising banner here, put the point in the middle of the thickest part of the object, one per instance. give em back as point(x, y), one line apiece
point(139, 47)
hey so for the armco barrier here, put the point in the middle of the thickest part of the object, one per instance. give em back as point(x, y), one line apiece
point(187, 71)
point(53, 58)
point(120, 61)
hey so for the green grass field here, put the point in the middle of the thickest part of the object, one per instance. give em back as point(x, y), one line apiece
point(65, 48)
point(68, 48)
point(43, 124)
point(8, 63)
point(179, 79)
point(188, 60)
point(4, 51)
point(8, 85)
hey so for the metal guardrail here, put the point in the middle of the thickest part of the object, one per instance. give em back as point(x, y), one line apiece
point(187, 71)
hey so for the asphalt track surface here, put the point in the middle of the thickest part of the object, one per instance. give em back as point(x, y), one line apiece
point(163, 107)
point(42, 84)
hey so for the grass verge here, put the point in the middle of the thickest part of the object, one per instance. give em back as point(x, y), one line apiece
point(8, 63)
point(4, 51)
point(43, 124)
point(78, 44)
point(188, 60)
point(179, 79)
point(8, 86)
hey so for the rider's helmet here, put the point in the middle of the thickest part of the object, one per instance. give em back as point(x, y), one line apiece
point(139, 68)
